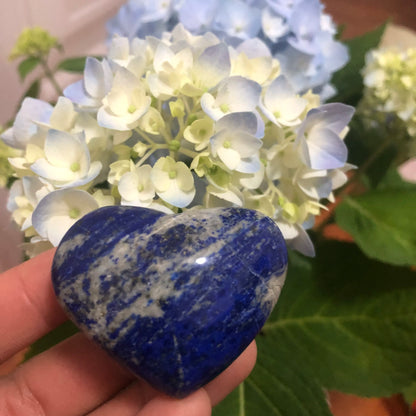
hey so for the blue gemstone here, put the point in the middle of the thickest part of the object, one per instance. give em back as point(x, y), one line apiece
point(175, 298)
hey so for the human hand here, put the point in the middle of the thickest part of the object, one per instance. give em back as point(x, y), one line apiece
point(76, 377)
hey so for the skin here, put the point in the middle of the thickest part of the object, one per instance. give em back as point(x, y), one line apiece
point(76, 377)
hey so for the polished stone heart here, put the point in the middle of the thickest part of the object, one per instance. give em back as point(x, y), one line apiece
point(175, 298)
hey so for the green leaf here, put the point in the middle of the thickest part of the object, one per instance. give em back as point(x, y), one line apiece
point(27, 66)
point(52, 338)
point(392, 180)
point(348, 80)
point(383, 224)
point(274, 389)
point(350, 321)
point(409, 393)
point(343, 322)
point(73, 64)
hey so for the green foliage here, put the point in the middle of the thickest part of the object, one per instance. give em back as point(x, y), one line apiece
point(409, 393)
point(383, 224)
point(392, 180)
point(343, 322)
point(72, 64)
point(348, 80)
point(27, 66)
point(33, 47)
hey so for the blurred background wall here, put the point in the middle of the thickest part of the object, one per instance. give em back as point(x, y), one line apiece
point(78, 24)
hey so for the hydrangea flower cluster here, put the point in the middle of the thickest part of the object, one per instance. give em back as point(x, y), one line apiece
point(389, 100)
point(299, 34)
point(34, 42)
point(390, 81)
point(177, 123)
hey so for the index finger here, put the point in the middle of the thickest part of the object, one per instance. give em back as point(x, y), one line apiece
point(28, 306)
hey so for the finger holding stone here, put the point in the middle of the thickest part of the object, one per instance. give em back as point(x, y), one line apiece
point(197, 403)
point(70, 379)
point(233, 375)
point(128, 401)
point(28, 307)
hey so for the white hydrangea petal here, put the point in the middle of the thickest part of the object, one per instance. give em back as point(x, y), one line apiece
point(119, 48)
point(240, 93)
point(160, 179)
point(291, 110)
point(254, 48)
point(16, 190)
point(335, 53)
point(158, 88)
point(31, 186)
point(238, 19)
point(176, 196)
point(185, 179)
point(163, 54)
point(57, 227)
point(93, 172)
point(8, 138)
point(210, 107)
point(57, 173)
point(250, 164)
point(302, 242)
point(143, 203)
point(213, 65)
point(334, 116)
point(230, 157)
point(59, 210)
point(280, 89)
point(63, 115)
point(324, 150)
point(24, 127)
point(230, 195)
point(339, 177)
point(76, 93)
point(128, 186)
point(316, 187)
point(242, 121)
point(94, 81)
point(122, 123)
point(246, 144)
point(63, 149)
point(113, 122)
point(289, 231)
point(196, 14)
point(253, 180)
point(274, 26)
point(118, 102)
point(137, 186)
point(124, 80)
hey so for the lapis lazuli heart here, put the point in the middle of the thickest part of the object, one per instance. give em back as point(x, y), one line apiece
point(175, 298)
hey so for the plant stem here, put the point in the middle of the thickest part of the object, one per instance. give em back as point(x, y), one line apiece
point(366, 165)
point(50, 76)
